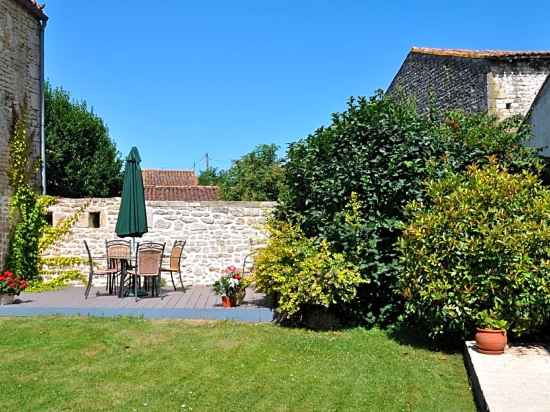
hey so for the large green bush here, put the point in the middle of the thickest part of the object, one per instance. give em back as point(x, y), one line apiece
point(479, 244)
point(383, 150)
point(303, 272)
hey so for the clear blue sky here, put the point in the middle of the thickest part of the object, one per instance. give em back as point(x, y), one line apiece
point(181, 78)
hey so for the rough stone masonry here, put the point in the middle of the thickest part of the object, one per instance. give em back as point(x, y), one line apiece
point(20, 82)
point(218, 234)
point(503, 83)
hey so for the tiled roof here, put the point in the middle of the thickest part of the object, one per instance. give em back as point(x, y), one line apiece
point(179, 185)
point(182, 193)
point(158, 177)
point(35, 8)
point(482, 54)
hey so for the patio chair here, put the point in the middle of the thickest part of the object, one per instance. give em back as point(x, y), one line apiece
point(93, 272)
point(118, 254)
point(148, 264)
point(174, 265)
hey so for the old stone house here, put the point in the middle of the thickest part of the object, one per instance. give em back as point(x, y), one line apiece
point(22, 25)
point(539, 118)
point(501, 82)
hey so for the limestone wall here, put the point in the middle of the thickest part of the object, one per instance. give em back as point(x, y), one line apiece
point(218, 234)
point(512, 87)
point(540, 120)
point(19, 82)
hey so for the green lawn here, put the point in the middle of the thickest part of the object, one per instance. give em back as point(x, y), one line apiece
point(77, 364)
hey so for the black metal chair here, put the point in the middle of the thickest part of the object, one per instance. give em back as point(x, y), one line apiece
point(174, 263)
point(94, 272)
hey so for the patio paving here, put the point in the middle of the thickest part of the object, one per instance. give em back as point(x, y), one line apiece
point(518, 380)
point(196, 302)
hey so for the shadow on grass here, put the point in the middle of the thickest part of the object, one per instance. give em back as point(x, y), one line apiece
point(412, 336)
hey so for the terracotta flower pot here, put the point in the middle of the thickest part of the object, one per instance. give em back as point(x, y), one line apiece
point(491, 341)
point(228, 302)
point(6, 299)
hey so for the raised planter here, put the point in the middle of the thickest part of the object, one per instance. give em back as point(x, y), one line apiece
point(491, 341)
point(6, 299)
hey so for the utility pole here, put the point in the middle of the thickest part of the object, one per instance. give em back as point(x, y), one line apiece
point(207, 162)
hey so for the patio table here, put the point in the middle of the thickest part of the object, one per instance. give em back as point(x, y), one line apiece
point(125, 263)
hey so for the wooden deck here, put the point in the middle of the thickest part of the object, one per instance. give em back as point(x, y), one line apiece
point(196, 302)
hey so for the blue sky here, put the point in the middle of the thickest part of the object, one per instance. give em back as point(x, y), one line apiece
point(180, 79)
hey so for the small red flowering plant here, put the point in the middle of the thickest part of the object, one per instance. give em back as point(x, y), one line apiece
point(11, 284)
point(230, 284)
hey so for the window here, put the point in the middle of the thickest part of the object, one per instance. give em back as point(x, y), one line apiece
point(49, 218)
point(94, 219)
point(508, 106)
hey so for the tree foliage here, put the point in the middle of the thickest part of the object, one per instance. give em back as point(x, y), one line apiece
point(81, 159)
point(478, 247)
point(382, 150)
point(256, 176)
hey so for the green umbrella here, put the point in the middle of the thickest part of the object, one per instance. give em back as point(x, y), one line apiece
point(132, 218)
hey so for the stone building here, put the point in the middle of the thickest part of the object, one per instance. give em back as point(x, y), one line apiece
point(22, 25)
point(504, 83)
point(539, 119)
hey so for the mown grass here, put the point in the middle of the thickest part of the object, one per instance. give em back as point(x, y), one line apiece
point(93, 364)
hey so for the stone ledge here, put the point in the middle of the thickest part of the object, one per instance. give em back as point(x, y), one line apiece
point(518, 380)
point(258, 315)
point(172, 203)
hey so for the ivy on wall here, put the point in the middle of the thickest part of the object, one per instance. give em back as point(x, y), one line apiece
point(25, 209)
point(30, 233)
point(52, 234)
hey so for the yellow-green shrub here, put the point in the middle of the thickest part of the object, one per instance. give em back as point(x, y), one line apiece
point(303, 272)
point(480, 244)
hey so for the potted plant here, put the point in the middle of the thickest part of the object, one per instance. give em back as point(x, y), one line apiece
point(10, 286)
point(491, 337)
point(231, 287)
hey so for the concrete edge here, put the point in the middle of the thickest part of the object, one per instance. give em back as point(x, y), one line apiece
point(479, 397)
point(244, 315)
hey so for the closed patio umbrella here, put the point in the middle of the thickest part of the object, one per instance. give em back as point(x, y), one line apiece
point(132, 217)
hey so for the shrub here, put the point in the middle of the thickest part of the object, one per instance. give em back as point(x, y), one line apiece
point(478, 246)
point(383, 151)
point(303, 272)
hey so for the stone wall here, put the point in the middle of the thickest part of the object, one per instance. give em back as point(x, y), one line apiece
point(539, 119)
point(501, 86)
point(218, 234)
point(513, 86)
point(442, 81)
point(19, 82)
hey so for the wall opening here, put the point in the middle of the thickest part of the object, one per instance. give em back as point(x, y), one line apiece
point(508, 106)
point(94, 220)
point(49, 218)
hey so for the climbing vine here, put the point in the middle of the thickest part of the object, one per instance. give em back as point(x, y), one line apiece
point(30, 233)
point(25, 209)
point(52, 234)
